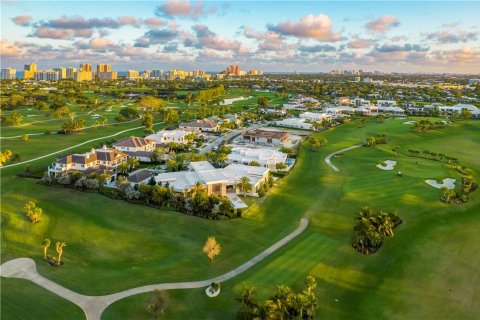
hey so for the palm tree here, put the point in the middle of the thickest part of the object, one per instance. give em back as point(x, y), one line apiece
point(59, 248)
point(123, 167)
point(248, 300)
point(385, 224)
point(133, 163)
point(197, 187)
point(245, 185)
point(45, 245)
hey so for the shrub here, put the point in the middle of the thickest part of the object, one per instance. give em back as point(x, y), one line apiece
point(64, 179)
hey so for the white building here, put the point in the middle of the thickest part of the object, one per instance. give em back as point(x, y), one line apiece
point(9, 74)
point(315, 117)
point(459, 107)
point(386, 103)
point(204, 125)
point(295, 123)
point(167, 136)
point(46, 75)
point(267, 158)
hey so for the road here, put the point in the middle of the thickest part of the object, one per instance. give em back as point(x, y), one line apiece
point(93, 306)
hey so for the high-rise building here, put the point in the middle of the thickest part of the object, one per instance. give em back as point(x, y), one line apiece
point(9, 73)
point(85, 67)
point(49, 75)
point(237, 70)
point(254, 72)
point(103, 68)
point(132, 74)
point(62, 72)
point(157, 74)
point(71, 72)
point(29, 71)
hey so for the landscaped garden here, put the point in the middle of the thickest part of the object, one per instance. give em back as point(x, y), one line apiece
point(425, 269)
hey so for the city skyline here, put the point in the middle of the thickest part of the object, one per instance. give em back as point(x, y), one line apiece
point(285, 36)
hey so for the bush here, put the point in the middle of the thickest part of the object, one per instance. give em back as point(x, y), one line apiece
point(113, 193)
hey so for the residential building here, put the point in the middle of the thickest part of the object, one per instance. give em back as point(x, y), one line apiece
point(315, 117)
point(204, 125)
point(107, 75)
point(62, 72)
point(103, 68)
point(459, 107)
point(85, 67)
point(265, 157)
point(386, 103)
point(46, 75)
point(166, 136)
point(96, 160)
point(82, 75)
point(9, 74)
point(71, 72)
point(472, 82)
point(265, 137)
point(29, 71)
point(135, 147)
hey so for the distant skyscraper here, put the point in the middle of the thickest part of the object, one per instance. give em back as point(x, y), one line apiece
point(132, 74)
point(104, 72)
point(9, 73)
point(85, 67)
point(237, 70)
point(62, 72)
point(29, 71)
point(46, 75)
point(71, 72)
point(103, 68)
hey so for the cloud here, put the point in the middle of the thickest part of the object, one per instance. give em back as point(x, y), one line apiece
point(359, 43)
point(455, 36)
point(156, 36)
point(153, 22)
point(401, 48)
point(171, 47)
point(183, 9)
point(23, 21)
point(51, 33)
point(316, 27)
point(79, 22)
point(382, 24)
point(463, 55)
point(267, 41)
point(96, 43)
point(317, 48)
point(10, 49)
point(208, 39)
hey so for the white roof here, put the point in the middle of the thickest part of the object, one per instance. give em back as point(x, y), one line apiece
point(235, 172)
point(159, 136)
point(179, 180)
point(262, 156)
point(201, 165)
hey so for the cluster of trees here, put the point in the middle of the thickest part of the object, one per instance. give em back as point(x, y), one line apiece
point(78, 180)
point(210, 93)
point(170, 116)
point(220, 156)
point(264, 187)
point(372, 228)
point(151, 104)
point(285, 304)
point(128, 113)
point(73, 126)
point(58, 248)
point(461, 195)
point(425, 125)
point(33, 212)
point(433, 156)
point(11, 119)
point(378, 139)
point(317, 142)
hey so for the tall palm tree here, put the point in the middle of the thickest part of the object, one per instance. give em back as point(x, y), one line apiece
point(245, 185)
point(197, 187)
point(133, 163)
point(59, 248)
point(123, 167)
point(45, 244)
point(248, 300)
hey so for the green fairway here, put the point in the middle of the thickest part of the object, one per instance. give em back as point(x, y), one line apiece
point(41, 305)
point(425, 270)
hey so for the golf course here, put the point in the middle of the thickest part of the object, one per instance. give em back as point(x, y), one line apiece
point(428, 269)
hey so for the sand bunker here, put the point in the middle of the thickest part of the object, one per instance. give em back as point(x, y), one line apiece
point(232, 100)
point(389, 165)
point(447, 183)
point(409, 122)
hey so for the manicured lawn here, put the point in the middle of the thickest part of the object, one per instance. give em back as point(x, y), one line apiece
point(426, 270)
point(41, 304)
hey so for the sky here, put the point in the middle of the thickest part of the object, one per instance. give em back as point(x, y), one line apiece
point(273, 36)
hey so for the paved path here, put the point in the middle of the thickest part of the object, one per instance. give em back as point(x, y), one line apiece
point(71, 147)
point(329, 162)
point(93, 306)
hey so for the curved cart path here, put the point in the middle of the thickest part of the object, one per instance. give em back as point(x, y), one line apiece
point(93, 306)
point(74, 146)
point(329, 162)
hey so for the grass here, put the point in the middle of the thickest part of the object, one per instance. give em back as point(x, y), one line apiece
point(425, 270)
point(41, 305)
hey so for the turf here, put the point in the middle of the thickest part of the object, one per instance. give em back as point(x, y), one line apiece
point(426, 269)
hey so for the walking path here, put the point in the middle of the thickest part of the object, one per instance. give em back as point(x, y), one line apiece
point(329, 162)
point(93, 306)
point(71, 147)
point(55, 132)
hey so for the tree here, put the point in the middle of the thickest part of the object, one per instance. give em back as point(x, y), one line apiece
point(59, 248)
point(170, 116)
point(254, 163)
point(12, 119)
point(25, 137)
point(158, 302)
point(262, 102)
point(147, 121)
point(151, 104)
point(317, 142)
point(61, 112)
point(245, 185)
point(33, 212)
point(211, 248)
point(45, 245)
point(123, 167)
point(133, 163)
point(4, 156)
point(129, 113)
point(248, 301)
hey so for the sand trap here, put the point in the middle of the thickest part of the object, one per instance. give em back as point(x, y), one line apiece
point(447, 183)
point(389, 165)
point(409, 122)
point(226, 102)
